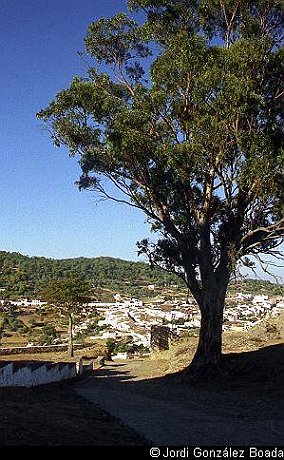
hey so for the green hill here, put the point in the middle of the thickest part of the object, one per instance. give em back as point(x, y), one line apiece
point(22, 276)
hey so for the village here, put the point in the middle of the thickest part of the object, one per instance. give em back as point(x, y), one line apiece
point(131, 319)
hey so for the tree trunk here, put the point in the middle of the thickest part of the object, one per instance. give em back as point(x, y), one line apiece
point(70, 336)
point(207, 359)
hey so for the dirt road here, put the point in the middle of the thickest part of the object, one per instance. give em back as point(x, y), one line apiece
point(170, 413)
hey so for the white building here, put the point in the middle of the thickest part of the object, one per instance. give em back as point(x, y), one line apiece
point(133, 303)
point(151, 287)
point(260, 299)
point(240, 296)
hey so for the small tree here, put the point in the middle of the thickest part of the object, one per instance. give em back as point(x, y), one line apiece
point(2, 332)
point(48, 334)
point(110, 347)
point(196, 142)
point(67, 295)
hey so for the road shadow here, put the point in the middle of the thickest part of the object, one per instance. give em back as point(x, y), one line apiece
point(253, 388)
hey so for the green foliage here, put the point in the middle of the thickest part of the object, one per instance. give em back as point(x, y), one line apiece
point(126, 346)
point(193, 136)
point(92, 328)
point(13, 324)
point(48, 335)
point(68, 293)
point(253, 286)
point(136, 348)
point(103, 272)
point(80, 337)
point(2, 332)
point(110, 346)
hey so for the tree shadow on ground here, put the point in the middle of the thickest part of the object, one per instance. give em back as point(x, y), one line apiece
point(263, 366)
point(252, 386)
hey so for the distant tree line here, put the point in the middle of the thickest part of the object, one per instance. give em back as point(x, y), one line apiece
point(23, 276)
point(256, 286)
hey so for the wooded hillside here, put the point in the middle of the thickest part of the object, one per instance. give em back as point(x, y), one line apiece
point(23, 276)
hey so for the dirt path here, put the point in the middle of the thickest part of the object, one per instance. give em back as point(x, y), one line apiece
point(54, 415)
point(169, 413)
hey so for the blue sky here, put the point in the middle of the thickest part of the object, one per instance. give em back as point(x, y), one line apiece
point(42, 211)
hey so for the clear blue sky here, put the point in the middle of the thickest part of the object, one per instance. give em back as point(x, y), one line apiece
point(42, 211)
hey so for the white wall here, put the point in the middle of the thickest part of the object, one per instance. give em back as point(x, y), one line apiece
point(27, 375)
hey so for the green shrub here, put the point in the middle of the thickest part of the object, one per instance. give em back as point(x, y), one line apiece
point(48, 335)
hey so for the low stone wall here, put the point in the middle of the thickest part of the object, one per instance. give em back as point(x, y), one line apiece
point(38, 349)
point(28, 374)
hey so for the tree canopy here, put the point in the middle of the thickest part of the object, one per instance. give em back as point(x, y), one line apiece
point(187, 124)
point(67, 295)
point(23, 276)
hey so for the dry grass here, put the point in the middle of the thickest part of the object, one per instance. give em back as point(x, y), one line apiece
point(55, 415)
point(180, 354)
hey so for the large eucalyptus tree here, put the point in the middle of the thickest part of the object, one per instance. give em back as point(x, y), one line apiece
point(181, 112)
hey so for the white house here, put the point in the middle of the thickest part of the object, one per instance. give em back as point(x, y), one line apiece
point(241, 296)
point(260, 299)
point(134, 303)
point(151, 287)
